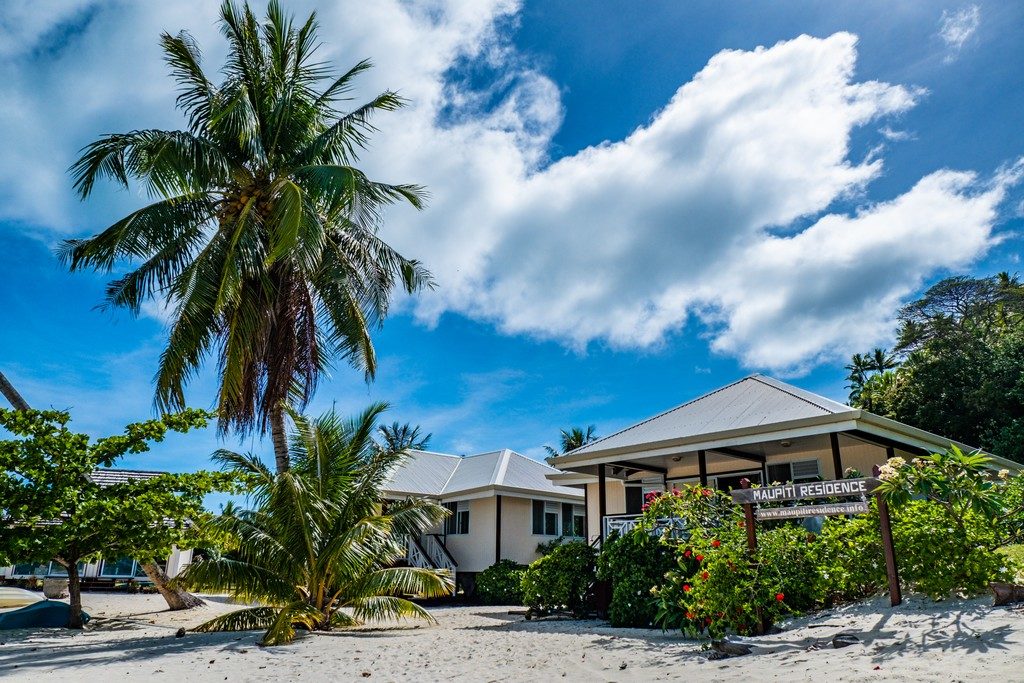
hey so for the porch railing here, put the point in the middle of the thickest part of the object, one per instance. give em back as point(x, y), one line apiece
point(428, 552)
point(623, 524)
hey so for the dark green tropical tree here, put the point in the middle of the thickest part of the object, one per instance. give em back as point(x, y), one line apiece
point(573, 438)
point(264, 239)
point(318, 549)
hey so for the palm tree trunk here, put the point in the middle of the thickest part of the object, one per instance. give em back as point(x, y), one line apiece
point(11, 394)
point(176, 598)
point(277, 436)
point(74, 594)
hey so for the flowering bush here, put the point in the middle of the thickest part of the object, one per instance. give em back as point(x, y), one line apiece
point(501, 584)
point(715, 587)
point(561, 579)
point(634, 563)
point(952, 496)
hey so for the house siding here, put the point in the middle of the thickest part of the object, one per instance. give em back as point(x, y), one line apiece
point(475, 551)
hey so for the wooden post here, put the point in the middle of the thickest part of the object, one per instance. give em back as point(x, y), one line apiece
point(702, 465)
point(837, 457)
point(749, 523)
point(891, 571)
point(602, 501)
point(497, 529)
point(748, 514)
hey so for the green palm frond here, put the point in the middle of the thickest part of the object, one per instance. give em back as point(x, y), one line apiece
point(388, 608)
point(318, 546)
point(251, 619)
point(264, 239)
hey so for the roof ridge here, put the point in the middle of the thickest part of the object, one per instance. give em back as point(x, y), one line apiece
point(786, 388)
point(501, 467)
point(664, 412)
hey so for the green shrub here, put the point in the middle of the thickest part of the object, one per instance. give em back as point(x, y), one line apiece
point(635, 564)
point(940, 556)
point(501, 584)
point(561, 580)
point(850, 557)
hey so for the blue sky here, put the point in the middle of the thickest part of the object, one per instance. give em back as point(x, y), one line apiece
point(633, 203)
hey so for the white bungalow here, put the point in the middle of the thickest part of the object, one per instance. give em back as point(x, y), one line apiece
point(758, 428)
point(104, 571)
point(503, 506)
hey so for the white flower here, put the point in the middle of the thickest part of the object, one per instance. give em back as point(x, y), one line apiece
point(886, 471)
point(896, 462)
point(1004, 474)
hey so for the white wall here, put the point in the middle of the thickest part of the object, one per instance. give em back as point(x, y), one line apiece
point(475, 551)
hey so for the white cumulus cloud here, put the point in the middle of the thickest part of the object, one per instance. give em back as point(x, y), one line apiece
point(717, 209)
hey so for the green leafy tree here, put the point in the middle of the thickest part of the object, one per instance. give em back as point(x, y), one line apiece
point(962, 368)
point(318, 549)
point(573, 438)
point(264, 239)
point(52, 507)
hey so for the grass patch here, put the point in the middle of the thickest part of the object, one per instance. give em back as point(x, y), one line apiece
point(1016, 554)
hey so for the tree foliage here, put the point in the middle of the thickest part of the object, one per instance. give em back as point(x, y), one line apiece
point(264, 238)
point(52, 508)
point(960, 365)
point(317, 550)
point(573, 438)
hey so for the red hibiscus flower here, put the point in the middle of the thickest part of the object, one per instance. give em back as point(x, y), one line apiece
point(780, 597)
point(687, 554)
point(715, 543)
point(690, 615)
point(700, 558)
point(705, 575)
point(687, 588)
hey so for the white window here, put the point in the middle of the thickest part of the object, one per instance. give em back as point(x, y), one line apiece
point(121, 567)
point(548, 518)
point(798, 470)
point(458, 520)
point(579, 517)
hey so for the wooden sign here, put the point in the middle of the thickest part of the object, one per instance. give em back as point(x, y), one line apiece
point(855, 508)
point(841, 488)
point(750, 497)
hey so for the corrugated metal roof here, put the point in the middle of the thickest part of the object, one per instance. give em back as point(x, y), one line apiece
point(750, 402)
point(438, 474)
point(423, 473)
point(109, 477)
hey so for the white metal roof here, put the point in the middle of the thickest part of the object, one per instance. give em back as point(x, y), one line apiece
point(441, 475)
point(753, 401)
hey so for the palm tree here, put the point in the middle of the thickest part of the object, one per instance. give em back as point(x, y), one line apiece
point(318, 550)
point(881, 360)
point(859, 367)
point(573, 438)
point(264, 239)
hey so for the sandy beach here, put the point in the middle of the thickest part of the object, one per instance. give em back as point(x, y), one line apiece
point(133, 637)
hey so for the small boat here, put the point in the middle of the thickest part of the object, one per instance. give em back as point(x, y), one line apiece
point(17, 597)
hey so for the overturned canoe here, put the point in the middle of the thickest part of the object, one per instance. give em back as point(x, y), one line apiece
point(43, 614)
point(17, 597)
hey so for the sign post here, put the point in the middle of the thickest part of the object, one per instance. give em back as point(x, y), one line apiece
point(842, 488)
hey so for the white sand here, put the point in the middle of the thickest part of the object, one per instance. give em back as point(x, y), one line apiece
point(132, 637)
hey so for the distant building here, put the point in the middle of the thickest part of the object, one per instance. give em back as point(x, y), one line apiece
point(502, 504)
point(110, 570)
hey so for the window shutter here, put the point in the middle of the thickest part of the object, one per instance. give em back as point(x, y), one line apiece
point(567, 519)
point(538, 517)
point(806, 469)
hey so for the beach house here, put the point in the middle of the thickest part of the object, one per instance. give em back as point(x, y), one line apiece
point(503, 505)
point(756, 428)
